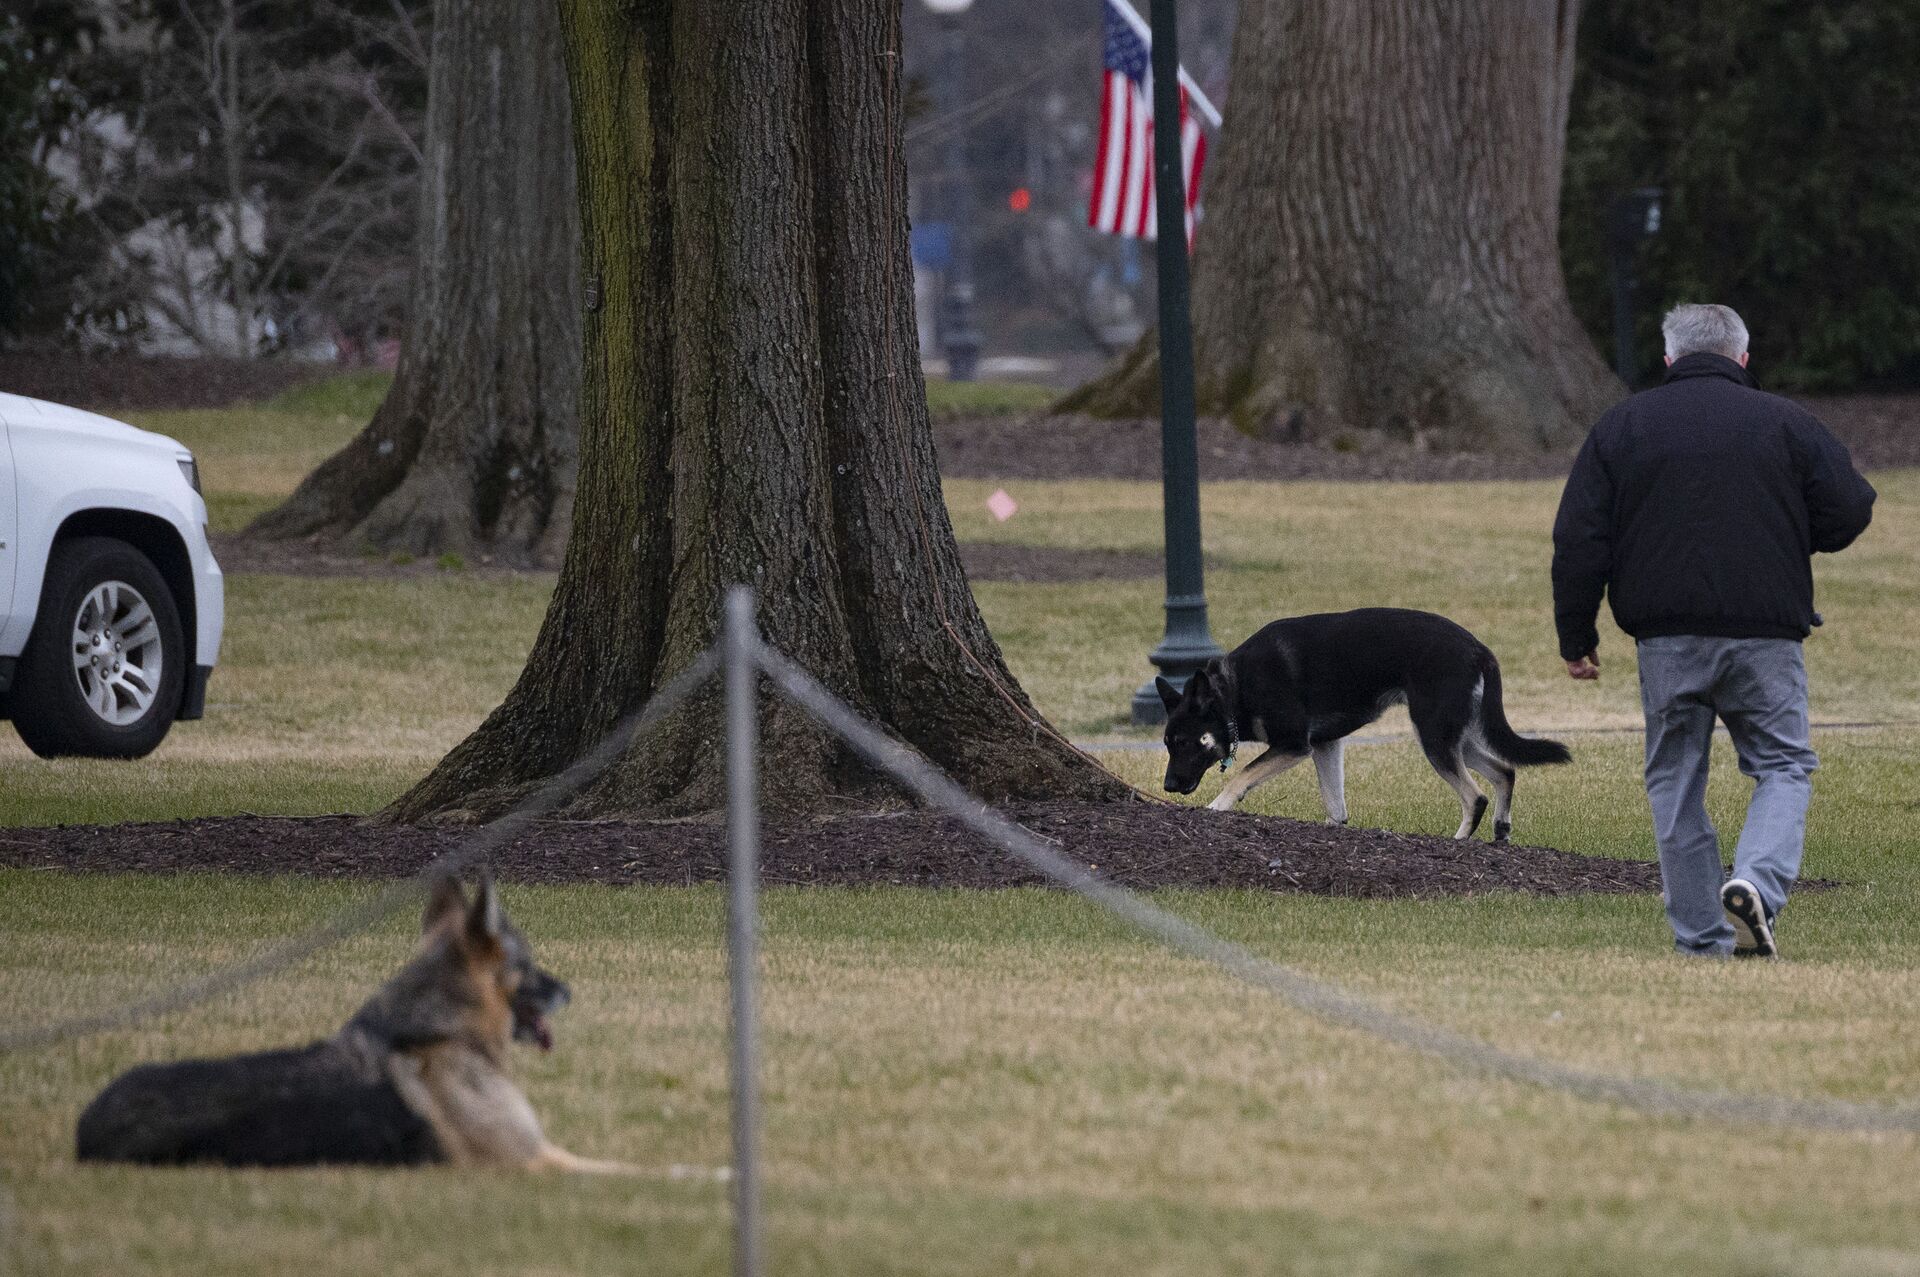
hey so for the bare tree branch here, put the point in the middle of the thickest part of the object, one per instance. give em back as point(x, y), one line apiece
point(257, 166)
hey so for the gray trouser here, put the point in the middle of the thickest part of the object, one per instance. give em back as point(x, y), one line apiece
point(1758, 688)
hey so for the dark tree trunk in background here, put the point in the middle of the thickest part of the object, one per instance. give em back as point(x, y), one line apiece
point(475, 449)
point(1379, 250)
point(753, 412)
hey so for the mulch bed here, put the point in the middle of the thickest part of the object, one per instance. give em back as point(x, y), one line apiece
point(1075, 447)
point(1883, 430)
point(1139, 844)
point(989, 562)
point(130, 384)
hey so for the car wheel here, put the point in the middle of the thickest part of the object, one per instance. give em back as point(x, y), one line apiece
point(103, 668)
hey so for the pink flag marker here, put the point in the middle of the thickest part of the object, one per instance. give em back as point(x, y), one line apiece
point(1001, 506)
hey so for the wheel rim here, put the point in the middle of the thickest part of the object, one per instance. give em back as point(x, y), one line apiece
point(117, 653)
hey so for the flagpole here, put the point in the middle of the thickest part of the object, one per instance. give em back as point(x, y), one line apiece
point(1188, 643)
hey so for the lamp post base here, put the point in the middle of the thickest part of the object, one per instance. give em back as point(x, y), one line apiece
point(1187, 646)
point(957, 334)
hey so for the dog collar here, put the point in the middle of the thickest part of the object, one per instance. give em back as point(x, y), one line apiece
point(1233, 743)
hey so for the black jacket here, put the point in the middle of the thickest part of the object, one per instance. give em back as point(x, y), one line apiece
point(1696, 507)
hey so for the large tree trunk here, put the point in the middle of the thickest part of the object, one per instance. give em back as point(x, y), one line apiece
point(475, 449)
point(753, 412)
point(1380, 245)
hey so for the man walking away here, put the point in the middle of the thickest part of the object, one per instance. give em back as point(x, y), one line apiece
point(1696, 507)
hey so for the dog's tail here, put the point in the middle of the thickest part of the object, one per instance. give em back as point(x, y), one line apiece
point(1517, 750)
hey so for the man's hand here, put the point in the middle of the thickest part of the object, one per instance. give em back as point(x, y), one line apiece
point(1586, 669)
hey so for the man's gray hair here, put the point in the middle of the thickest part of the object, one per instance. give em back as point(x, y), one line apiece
point(1716, 330)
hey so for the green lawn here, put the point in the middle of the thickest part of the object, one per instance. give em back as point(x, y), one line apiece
point(333, 694)
point(1478, 552)
point(1006, 1082)
point(992, 1083)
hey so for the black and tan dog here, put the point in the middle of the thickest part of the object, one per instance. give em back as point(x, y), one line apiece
point(418, 1075)
point(1303, 684)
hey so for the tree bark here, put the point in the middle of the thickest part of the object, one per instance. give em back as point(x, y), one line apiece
point(1380, 245)
point(475, 449)
point(753, 412)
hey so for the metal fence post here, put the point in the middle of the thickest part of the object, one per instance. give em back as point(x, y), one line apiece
point(743, 874)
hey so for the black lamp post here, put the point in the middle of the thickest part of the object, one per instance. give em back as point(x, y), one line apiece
point(958, 337)
point(1188, 644)
point(1630, 218)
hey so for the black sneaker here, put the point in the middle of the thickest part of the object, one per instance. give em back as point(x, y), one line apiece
point(1752, 924)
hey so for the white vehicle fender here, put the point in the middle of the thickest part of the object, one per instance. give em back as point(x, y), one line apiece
point(40, 521)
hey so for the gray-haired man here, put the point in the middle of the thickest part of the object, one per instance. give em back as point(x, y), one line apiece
point(1695, 508)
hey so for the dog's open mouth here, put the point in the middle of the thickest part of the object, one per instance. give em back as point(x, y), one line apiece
point(533, 1002)
point(532, 1026)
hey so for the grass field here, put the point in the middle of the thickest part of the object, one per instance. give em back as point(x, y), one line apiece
point(994, 1083)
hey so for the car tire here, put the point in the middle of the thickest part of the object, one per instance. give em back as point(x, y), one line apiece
point(103, 669)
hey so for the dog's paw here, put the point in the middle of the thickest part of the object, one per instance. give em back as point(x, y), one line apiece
point(1222, 803)
point(1501, 829)
point(1341, 822)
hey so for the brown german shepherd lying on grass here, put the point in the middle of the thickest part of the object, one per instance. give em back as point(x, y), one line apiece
point(418, 1075)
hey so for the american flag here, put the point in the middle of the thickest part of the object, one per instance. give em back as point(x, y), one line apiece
point(1122, 200)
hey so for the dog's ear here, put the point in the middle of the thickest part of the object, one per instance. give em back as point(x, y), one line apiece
point(1169, 694)
point(1200, 687)
point(484, 920)
point(445, 903)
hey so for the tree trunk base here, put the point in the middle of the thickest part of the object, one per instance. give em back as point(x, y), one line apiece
point(1305, 385)
point(676, 770)
point(380, 492)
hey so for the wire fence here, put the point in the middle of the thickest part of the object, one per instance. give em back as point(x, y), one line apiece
point(746, 658)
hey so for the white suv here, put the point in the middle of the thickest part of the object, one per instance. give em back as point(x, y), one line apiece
point(111, 605)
